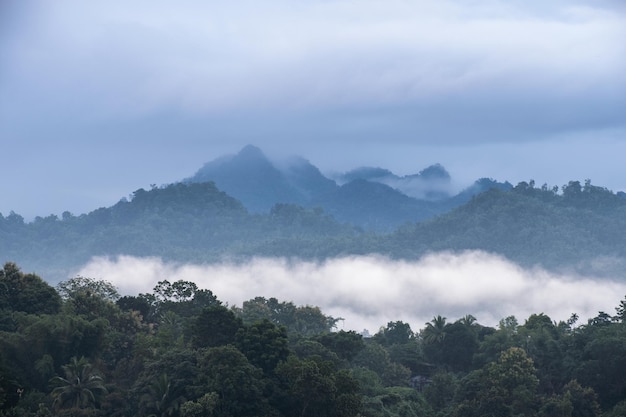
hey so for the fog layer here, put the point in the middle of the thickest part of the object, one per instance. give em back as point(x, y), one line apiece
point(369, 291)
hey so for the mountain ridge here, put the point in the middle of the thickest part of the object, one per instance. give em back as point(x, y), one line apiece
point(356, 197)
point(579, 228)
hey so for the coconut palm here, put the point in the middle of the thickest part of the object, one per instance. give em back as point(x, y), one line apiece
point(162, 398)
point(435, 332)
point(468, 320)
point(81, 388)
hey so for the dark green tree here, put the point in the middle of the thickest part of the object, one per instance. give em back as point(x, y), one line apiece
point(26, 292)
point(238, 384)
point(162, 398)
point(215, 326)
point(81, 387)
point(264, 344)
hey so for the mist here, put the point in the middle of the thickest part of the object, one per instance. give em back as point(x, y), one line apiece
point(369, 291)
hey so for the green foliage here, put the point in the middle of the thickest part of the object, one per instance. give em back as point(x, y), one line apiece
point(238, 384)
point(315, 389)
point(264, 344)
point(88, 287)
point(303, 320)
point(215, 326)
point(396, 332)
point(346, 345)
point(582, 228)
point(162, 398)
point(26, 292)
point(192, 356)
point(80, 387)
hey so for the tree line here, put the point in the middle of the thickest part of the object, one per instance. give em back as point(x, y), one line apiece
point(580, 227)
point(81, 349)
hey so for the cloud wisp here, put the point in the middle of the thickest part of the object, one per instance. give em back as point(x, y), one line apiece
point(369, 291)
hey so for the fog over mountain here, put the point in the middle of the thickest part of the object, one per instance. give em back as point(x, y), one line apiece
point(369, 291)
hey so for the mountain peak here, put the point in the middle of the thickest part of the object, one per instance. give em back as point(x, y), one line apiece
point(251, 151)
point(435, 171)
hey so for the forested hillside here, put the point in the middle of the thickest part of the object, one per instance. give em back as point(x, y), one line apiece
point(82, 350)
point(184, 222)
point(580, 228)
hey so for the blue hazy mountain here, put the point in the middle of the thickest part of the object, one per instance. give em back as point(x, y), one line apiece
point(250, 177)
point(432, 183)
point(369, 197)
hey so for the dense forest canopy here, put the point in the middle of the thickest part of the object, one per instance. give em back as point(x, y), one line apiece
point(81, 349)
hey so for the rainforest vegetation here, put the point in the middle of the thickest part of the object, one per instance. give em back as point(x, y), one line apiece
point(79, 349)
point(579, 227)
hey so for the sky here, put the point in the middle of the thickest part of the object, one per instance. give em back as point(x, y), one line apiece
point(100, 98)
point(367, 292)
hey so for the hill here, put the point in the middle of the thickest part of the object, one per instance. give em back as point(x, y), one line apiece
point(581, 229)
point(182, 222)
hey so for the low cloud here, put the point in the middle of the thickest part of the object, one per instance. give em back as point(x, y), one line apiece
point(369, 291)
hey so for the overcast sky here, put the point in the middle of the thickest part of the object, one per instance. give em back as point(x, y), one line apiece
point(100, 98)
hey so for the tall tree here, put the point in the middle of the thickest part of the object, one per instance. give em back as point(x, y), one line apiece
point(26, 292)
point(82, 387)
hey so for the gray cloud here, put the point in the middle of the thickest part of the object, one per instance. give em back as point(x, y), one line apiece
point(370, 291)
point(118, 58)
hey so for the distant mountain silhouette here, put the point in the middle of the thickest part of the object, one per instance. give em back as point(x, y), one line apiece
point(251, 178)
point(432, 183)
point(374, 206)
point(259, 184)
point(371, 198)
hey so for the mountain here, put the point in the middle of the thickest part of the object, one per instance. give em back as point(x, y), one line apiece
point(582, 229)
point(180, 222)
point(374, 206)
point(306, 215)
point(374, 199)
point(432, 183)
point(306, 178)
point(251, 178)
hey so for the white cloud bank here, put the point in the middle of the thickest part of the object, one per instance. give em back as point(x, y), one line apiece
point(370, 291)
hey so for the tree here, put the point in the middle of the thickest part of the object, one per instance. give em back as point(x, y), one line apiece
point(90, 297)
point(457, 349)
point(238, 384)
point(162, 398)
point(182, 297)
point(215, 326)
point(506, 387)
point(82, 387)
point(172, 374)
point(26, 292)
point(435, 330)
point(345, 344)
point(433, 336)
point(396, 332)
point(620, 311)
point(313, 389)
point(89, 287)
point(264, 344)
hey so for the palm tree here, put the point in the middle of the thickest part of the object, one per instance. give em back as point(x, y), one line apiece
point(468, 321)
point(435, 330)
point(162, 398)
point(81, 387)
